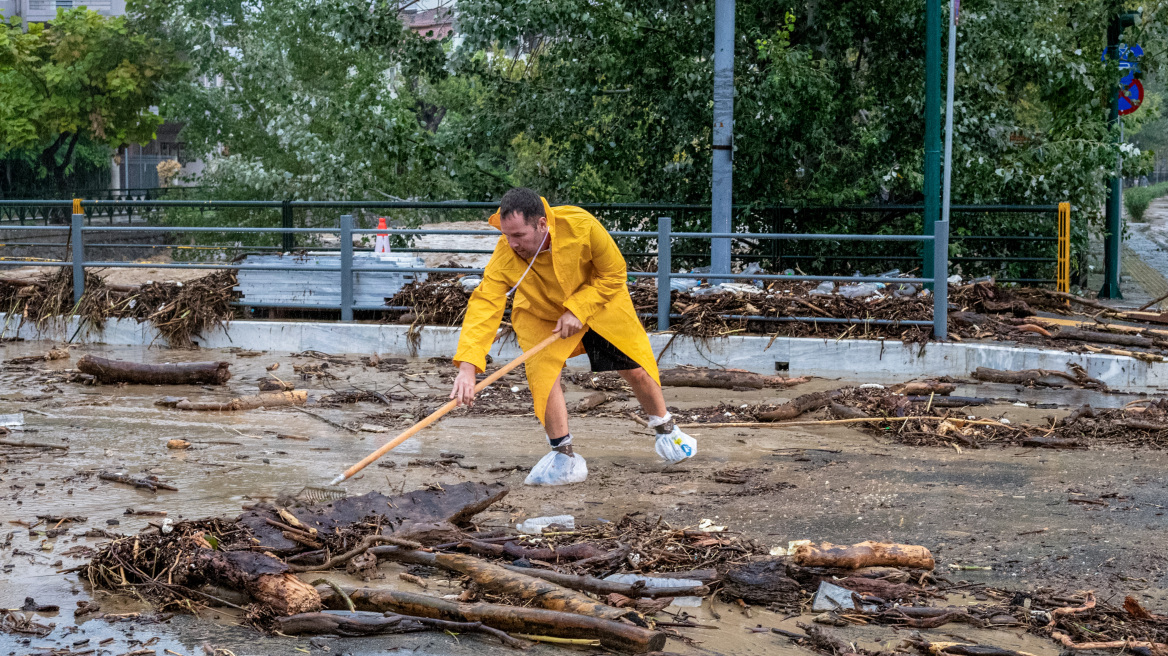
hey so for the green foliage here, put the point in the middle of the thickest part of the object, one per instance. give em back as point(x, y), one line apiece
point(84, 78)
point(287, 99)
point(1137, 199)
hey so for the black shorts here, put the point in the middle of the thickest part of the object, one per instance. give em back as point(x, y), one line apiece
point(604, 356)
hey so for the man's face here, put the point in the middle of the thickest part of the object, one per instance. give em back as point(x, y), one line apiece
point(524, 239)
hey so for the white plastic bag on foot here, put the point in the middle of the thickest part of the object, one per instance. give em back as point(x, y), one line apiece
point(558, 469)
point(675, 446)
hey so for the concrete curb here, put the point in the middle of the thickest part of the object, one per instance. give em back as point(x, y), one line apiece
point(857, 360)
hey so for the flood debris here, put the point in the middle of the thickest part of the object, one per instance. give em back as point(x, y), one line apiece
point(264, 400)
point(175, 373)
point(152, 483)
point(864, 554)
point(723, 378)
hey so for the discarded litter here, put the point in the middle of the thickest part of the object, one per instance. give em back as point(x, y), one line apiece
point(859, 290)
point(535, 525)
point(833, 597)
point(825, 288)
point(13, 421)
point(651, 582)
point(470, 283)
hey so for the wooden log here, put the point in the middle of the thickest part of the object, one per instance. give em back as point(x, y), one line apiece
point(877, 588)
point(512, 619)
point(1104, 338)
point(370, 623)
point(761, 582)
point(150, 482)
point(497, 578)
point(593, 400)
point(266, 400)
point(176, 373)
point(1032, 376)
point(264, 578)
point(723, 379)
point(924, 388)
point(800, 405)
point(419, 515)
point(864, 554)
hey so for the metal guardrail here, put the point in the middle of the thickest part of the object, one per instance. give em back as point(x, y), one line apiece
point(664, 236)
point(1029, 256)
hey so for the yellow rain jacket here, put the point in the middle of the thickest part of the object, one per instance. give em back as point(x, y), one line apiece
point(585, 274)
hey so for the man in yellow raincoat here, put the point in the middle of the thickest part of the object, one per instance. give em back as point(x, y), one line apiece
point(569, 278)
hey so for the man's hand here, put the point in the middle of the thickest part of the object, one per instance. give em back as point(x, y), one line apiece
point(464, 384)
point(568, 325)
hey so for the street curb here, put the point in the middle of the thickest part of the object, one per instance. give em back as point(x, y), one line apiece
point(876, 361)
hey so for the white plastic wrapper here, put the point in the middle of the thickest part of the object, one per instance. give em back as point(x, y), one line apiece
point(558, 469)
point(676, 446)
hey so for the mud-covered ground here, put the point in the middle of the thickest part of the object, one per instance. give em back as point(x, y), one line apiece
point(1068, 520)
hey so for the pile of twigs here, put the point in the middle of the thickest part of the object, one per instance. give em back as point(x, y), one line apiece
point(153, 566)
point(180, 311)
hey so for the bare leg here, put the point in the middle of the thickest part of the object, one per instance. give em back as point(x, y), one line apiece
point(647, 391)
point(555, 415)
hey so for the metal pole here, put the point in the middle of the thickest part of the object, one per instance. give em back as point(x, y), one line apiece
point(289, 238)
point(947, 187)
point(1113, 239)
point(721, 217)
point(932, 183)
point(664, 267)
point(941, 286)
point(78, 257)
point(346, 267)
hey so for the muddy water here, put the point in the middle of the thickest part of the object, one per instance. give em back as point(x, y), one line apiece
point(1002, 508)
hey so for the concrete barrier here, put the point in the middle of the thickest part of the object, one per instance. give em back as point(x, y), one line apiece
point(876, 361)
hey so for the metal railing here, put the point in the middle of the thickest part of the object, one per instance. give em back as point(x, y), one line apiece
point(1012, 243)
point(664, 236)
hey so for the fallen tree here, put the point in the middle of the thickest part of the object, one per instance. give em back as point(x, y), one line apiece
point(512, 619)
point(175, 373)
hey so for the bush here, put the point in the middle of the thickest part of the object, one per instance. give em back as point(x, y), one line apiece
point(1137, 199)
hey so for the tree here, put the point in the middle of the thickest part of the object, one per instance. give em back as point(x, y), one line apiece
point(83, 76)
point(286, 99)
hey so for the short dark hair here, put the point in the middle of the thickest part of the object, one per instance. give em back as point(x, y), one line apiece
point(522, 200)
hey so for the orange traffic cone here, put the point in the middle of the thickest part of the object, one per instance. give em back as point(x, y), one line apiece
point(381, 245)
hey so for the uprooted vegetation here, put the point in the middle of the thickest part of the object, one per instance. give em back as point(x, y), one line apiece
point(557, 584)
point(179, 312)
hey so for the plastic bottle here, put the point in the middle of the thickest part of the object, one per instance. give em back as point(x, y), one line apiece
point(535, 525)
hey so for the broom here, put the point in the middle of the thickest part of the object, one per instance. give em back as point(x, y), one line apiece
point(437, 414)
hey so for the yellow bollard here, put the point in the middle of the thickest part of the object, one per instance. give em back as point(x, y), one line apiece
point(1063, 277)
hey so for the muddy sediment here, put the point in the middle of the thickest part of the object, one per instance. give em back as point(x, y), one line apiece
point(1064, 520)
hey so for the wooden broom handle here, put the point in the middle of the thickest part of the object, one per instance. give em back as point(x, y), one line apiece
point(447, 407)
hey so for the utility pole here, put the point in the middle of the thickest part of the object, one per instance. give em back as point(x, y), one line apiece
point(932, 185)
point(1113, 240)
point(722, 197)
